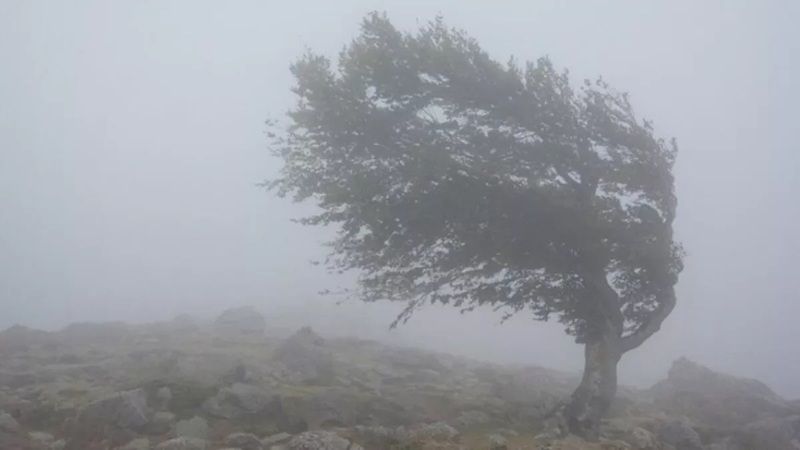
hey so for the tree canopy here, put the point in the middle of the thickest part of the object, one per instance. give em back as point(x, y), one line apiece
point(456, 179)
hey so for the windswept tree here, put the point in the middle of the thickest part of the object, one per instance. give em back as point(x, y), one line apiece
point(458, 180)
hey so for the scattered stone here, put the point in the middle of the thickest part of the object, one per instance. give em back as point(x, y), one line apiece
point(470, 419)
point(437, 431)
point(772, 433)
point(273, 439)
point(320, 440)
point(239, 400)
point(196, 428)
point(136, 444)
point(497, 442)
point(127, 410)
point(680, 434)
point(41, 437)
point(243, 441)
point(183, 443)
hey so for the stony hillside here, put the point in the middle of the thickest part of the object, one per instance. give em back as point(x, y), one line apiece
point(187, 385)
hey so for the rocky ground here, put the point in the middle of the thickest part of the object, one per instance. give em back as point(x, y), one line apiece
point(184, 385)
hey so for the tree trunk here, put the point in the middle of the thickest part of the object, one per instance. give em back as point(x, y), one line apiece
point(593, 397)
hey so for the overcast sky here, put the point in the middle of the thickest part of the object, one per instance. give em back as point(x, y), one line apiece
point(132, 139)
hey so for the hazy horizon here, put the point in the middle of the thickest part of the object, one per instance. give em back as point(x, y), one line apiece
point(132, 142)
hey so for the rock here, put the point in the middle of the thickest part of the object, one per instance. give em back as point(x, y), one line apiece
point(773, 433)
point(274, 439)
point(136, 444)
point(92, 333)
point(714, 399)
point(19, 338)
point(641, 439)
point(196, 428)
point(162, 422)
point(60, 444)
point(470, 419)
point(497, 442)
point(41, 437)
point(680, 435)
point(245, 321)
point(437, 431)
point(243, 441)
point(324, 408)
point(320, 440)
point(183, 443)
point(164, 396)
point(305, 357)
point(239, 400)
point(127, 410)
point(8, 423)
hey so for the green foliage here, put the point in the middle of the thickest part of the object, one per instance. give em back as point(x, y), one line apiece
point(460, 180)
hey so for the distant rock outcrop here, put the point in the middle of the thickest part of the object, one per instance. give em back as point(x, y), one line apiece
point(714, 399)
point(306, 358)
point(244, 321)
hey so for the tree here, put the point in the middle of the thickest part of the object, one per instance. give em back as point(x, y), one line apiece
point(455, 179)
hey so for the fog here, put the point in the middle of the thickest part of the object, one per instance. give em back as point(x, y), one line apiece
point(132, 141)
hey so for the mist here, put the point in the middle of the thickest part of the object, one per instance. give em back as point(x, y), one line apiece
point(132, 145)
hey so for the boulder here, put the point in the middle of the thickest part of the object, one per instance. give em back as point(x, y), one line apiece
point(196, 428)
point(161, 422)
point(19, 338)
point(306, 358)
point(241, 321)
point(164, 396)
point(714, 399)
point(240, 400)
point(275, 439)
point(679, 434)
point(126, 410)
point(243, 441)
point(136, 444)
point(320, 440)
point(183, 443)
point(8, 423)
point(774, 433)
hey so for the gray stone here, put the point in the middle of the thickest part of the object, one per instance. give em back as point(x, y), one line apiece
point(136, 444)
point(497, 442)
point(244, 441)
point(41, 437)
point(183, 443)
point(8, 423)
point(680, 434)
point(196, 428)
point(164, 396)
point(774, 433)
point(306, 358)
point(126, 410)
point(319, 440)
point(714, 399)
point(275, 439)
point(162, 422)
point(437, 431)
point(239, 400)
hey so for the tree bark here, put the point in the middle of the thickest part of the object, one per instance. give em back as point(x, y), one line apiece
point(593, 397)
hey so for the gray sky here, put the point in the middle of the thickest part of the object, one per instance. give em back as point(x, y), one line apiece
point(131, 139)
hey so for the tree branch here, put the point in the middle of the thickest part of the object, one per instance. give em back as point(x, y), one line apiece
point(653, 324)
